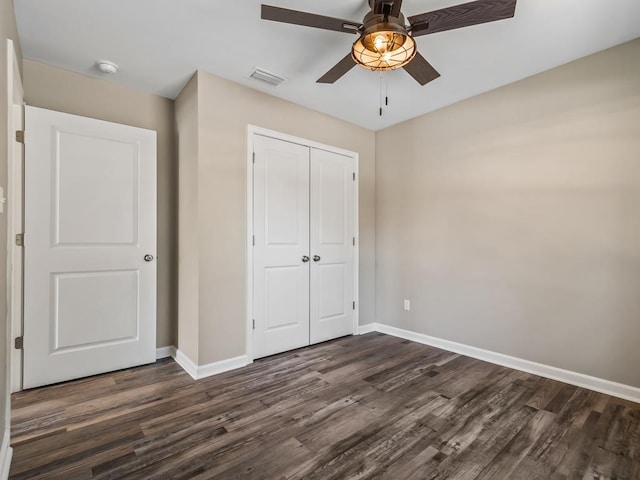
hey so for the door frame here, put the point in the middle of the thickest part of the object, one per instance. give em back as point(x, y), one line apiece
point(253, 130)
point(15, 217)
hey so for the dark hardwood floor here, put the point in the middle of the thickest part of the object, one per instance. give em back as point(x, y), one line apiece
point(356, 408)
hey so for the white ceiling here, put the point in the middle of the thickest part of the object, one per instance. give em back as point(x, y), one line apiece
point(158, 44)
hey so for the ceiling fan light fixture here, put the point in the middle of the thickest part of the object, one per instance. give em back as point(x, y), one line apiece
point(383, 49)
point(386, 39)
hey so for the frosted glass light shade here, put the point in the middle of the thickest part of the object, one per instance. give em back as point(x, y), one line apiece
point(384, 50)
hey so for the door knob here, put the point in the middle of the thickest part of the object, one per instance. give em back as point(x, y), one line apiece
point(305, 259)
point(148, 258)
point(316, 258)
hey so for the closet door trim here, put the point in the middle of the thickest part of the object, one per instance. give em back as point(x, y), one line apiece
point(253, 130)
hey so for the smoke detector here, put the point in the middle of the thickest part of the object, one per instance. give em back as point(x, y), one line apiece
point(266, 76)
point(105, 66)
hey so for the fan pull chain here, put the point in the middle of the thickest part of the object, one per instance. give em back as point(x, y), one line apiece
point(384, 92)
point(380, 97)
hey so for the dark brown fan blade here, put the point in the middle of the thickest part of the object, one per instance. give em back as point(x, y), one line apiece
point(296, 17)
point(421, 70)
point(342, 67)
point(465, 15)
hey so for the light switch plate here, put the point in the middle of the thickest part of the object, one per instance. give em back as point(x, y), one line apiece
point(407, 305)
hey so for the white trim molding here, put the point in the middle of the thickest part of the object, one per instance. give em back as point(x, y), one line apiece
point(368, 328)
point(222, 366)
point(596, 384)
point(6, 453)
point(187, 364)
point(166, 352)
point(198, 372)
point(14, 221)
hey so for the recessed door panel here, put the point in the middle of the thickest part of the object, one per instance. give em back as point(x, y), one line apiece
point(281, 284)
point(281, 229)
point(109, 298)
point(90, 219)
point(332, 245)
point(332, 279)
point(96, 190)
point(282, 197)
point(332, 202)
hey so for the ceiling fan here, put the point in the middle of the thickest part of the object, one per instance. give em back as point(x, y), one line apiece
point(385, 41)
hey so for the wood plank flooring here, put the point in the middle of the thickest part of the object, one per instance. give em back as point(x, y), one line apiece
point(363, 407)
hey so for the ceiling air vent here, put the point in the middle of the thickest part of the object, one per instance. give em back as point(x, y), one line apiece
point(265, 76)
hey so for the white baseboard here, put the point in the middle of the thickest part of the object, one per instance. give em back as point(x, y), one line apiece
point(165, 352)
point(6, 453)
point(202, 371)
point(368, 328)
point(601, 385)
point(589, 382)
point(222, 366)
point(187, 364)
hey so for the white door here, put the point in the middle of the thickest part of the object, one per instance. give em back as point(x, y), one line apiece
point(90, 220)
point(332, 245)
point(281, 246)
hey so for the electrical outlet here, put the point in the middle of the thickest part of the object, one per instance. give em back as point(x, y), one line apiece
point(407, 305)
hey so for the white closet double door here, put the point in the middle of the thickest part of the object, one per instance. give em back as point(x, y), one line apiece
point(303, 254)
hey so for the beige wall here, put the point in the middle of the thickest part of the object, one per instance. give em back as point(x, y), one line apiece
point(224, 110)
point(512, 219)
point(8, 29)
point(56, 89)
point(188, 221)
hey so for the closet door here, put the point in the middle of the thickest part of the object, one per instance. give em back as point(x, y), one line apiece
point(281, 251)
point(332, 245)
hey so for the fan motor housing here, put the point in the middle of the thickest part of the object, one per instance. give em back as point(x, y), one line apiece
point(375, 22)
point(385, 5)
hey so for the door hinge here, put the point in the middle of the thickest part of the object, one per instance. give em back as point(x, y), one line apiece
point(254, 240)
point(354, 176)
point(354, 304)
point(20, 239)
point(254, 323)
point(20, 136)
point(254, 157)
point(354, 241)
point(19, 343)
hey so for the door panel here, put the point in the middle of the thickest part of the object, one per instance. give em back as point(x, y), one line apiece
point(90, 218)
point(108, 297)
point(281, 284)
point(332, 231)
point(331, 297)
point(281, 229)
point(89, 211)
point(330, 194)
